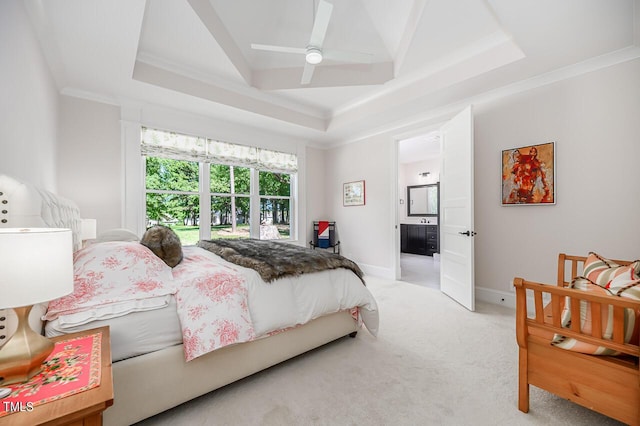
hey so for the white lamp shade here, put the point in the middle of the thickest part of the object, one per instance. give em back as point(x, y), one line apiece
point(88, 229)
point(36, 265)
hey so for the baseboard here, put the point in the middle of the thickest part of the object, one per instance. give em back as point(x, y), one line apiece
point(482, 294)
point(377, 271)
point(496, 297)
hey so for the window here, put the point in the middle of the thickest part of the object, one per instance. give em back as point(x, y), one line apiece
point(275, 197)
point(230, 192)
point(208, 189)
point(172, 197)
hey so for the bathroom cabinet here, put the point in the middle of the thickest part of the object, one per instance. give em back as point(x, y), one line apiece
point(419, 239)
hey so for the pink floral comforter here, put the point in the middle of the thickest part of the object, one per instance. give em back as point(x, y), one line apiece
point(218, 303)
point(116, 278)
point(212, 304)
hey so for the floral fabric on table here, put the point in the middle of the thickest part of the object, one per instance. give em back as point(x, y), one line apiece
point(74, 366)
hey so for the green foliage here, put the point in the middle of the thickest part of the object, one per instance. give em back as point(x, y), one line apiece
point(221, 178)
point(164, 174)
point(278, 184)
point(275, 184)
point(172, 175)
point(190, 235)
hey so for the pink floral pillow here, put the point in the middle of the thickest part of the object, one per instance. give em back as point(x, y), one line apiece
point(112, 279)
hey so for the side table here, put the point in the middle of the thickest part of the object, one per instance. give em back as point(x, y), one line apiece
point(81, 409)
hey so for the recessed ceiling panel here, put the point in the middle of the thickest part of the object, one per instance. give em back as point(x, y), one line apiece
point(96, 41)
point(289, 23)
point(390, 20)
point(567, 30)
point(173, 34)
point(447, 27)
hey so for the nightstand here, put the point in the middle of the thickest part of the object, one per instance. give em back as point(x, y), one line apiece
point(81, 409)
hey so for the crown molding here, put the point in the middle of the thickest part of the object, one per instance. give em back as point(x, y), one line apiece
point(90, 96)
point(428, 118)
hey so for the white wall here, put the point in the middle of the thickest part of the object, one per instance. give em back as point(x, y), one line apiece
point(315, 190)
point(594, 120)
point(28, 102)
point(365, 231)
point(90, 169)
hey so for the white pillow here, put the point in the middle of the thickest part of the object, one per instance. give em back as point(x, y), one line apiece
point(117, 234)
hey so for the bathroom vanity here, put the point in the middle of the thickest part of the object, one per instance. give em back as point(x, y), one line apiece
point(419, 238)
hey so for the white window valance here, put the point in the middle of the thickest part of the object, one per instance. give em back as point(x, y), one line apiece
point(159, 143)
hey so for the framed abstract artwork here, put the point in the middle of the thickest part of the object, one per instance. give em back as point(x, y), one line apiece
point(529, 175)
point(353, 193)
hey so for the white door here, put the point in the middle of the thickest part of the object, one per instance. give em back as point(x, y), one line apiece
point(456, 209)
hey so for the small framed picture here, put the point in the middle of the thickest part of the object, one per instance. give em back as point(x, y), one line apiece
point(529, 175)
point(353, 193)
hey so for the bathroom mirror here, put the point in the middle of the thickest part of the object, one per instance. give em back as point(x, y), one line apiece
point(422, 200)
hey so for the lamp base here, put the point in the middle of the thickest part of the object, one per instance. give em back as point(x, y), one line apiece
point(22, 356)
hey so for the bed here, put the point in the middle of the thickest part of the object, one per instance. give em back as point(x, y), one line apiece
point(592, 362)
point(336, 303)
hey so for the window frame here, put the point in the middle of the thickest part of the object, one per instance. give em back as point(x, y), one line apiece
point(206, 182)
point(204, 193)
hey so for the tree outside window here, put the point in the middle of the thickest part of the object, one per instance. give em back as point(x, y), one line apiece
point(172, 192)
point(230, 201)
point(275, 197)
point(173, 198)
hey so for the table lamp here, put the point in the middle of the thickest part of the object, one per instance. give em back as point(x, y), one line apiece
point(36, 265)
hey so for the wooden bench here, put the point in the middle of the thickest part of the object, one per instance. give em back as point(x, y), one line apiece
point(607, 384)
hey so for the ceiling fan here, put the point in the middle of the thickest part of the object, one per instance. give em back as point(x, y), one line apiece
point(314, 52)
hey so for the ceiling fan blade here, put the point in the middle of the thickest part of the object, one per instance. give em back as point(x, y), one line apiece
point(343, 56)
point(323, 14)
point(307, 73)
point(283, 49)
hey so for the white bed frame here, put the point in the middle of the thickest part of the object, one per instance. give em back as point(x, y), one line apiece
point(137, 380)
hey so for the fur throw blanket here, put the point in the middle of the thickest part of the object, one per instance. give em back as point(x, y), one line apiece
point(165, 243)
point(276, 260)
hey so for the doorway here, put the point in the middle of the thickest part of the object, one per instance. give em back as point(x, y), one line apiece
point(418, 167)
point(455, 207)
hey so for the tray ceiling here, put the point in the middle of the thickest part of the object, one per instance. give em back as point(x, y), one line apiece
point(427, 55)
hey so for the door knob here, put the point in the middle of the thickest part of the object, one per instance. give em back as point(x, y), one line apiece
point(468, 233)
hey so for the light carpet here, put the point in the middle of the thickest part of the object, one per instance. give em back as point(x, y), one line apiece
point(433, 363)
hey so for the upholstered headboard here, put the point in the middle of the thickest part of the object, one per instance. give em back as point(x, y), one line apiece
point(24, 205)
